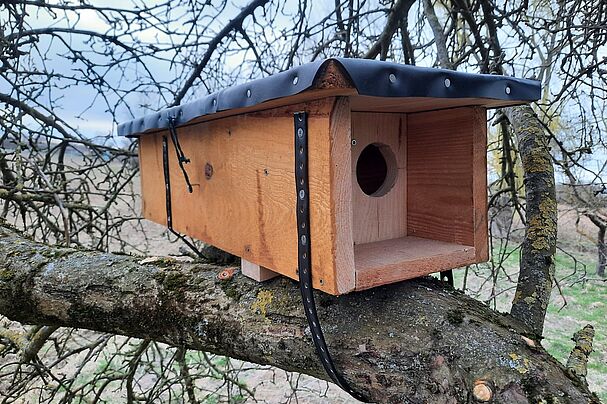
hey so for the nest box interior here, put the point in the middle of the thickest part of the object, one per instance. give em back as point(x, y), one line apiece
point(397, 181)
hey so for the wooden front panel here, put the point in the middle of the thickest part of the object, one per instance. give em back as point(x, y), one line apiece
point(446, 169)
point(247, 206)
point(377, 218)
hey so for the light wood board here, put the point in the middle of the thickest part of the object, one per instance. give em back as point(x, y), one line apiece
point(388, 261)
point(383, 217)
point(441, 175)
point(247, 207)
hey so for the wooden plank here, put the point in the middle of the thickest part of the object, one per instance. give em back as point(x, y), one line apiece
point(479, 183)
point(341, 195)
point(440, 175)
point(247, 207)
point(365, 103)
point(256, 272)
point(150, 167)
point(384, 217)
point(394, 260)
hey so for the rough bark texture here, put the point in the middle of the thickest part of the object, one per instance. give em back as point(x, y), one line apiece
point(537, 255)
point(408, 342)
point(578, 359)
point(602, 251)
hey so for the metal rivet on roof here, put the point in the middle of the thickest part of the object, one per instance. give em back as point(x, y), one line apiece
point(392, 78)
point(214, 101)
point(295, 80)
point(249, 93)
point(447, 83)
point(508, 90)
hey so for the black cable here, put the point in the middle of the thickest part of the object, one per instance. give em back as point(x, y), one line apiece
point(181, 158)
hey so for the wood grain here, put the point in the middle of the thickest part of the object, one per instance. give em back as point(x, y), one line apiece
point(394, 260)
point(440, 175)
point(341, 194)
point(152, 179)
point(366, 103)
point(256, 272)
point(384, 217)
point(479, 183)
point(247, 207)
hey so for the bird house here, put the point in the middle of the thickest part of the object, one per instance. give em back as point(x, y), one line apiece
point(395, 179)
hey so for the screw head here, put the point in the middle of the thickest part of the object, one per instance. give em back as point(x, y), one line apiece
point(508, 90)
point(392, 78)
point(295, 80)
point(447, 83)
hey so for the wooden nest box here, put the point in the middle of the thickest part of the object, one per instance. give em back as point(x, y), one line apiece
point(396, 164)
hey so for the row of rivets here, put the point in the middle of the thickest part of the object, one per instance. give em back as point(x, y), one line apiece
point(392, 79)
point(304, 270)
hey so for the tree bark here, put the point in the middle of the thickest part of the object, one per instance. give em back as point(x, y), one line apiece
point(602, 250)
point(414, 341)
point(534, 284)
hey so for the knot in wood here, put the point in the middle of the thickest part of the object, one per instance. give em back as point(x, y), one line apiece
point(208, 171)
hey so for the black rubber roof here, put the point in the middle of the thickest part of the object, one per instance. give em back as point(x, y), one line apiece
point(369, 77)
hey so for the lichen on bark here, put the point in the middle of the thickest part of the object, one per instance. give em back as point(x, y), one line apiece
point(536, 274)
point(414, 341)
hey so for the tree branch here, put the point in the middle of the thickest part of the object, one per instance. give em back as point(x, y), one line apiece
point(534, 284)
point(199, 67)
point(398, 12)
point(412, 341)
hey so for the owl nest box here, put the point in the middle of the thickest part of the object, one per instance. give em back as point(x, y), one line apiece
point(389, 170)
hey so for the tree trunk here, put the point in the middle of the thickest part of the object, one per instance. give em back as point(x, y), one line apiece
point(602, 250)
point(534, 284)
point(414, 341)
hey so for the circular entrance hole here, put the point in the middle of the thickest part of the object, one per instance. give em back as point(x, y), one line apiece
point(376, 169)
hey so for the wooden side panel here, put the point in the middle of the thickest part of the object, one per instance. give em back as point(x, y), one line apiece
point(247, 205)
point(440, 173)
point(384, 217)
point(341, 191)
point(152, 179)
point(479, 184)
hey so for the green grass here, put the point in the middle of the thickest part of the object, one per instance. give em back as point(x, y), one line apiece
point(586, 303)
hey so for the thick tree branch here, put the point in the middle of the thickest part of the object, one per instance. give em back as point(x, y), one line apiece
point(537, 255)
point(398, 12)
point(412, 341)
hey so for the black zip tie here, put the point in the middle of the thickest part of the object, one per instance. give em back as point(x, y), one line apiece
point(304, 259)
point(181, 158)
